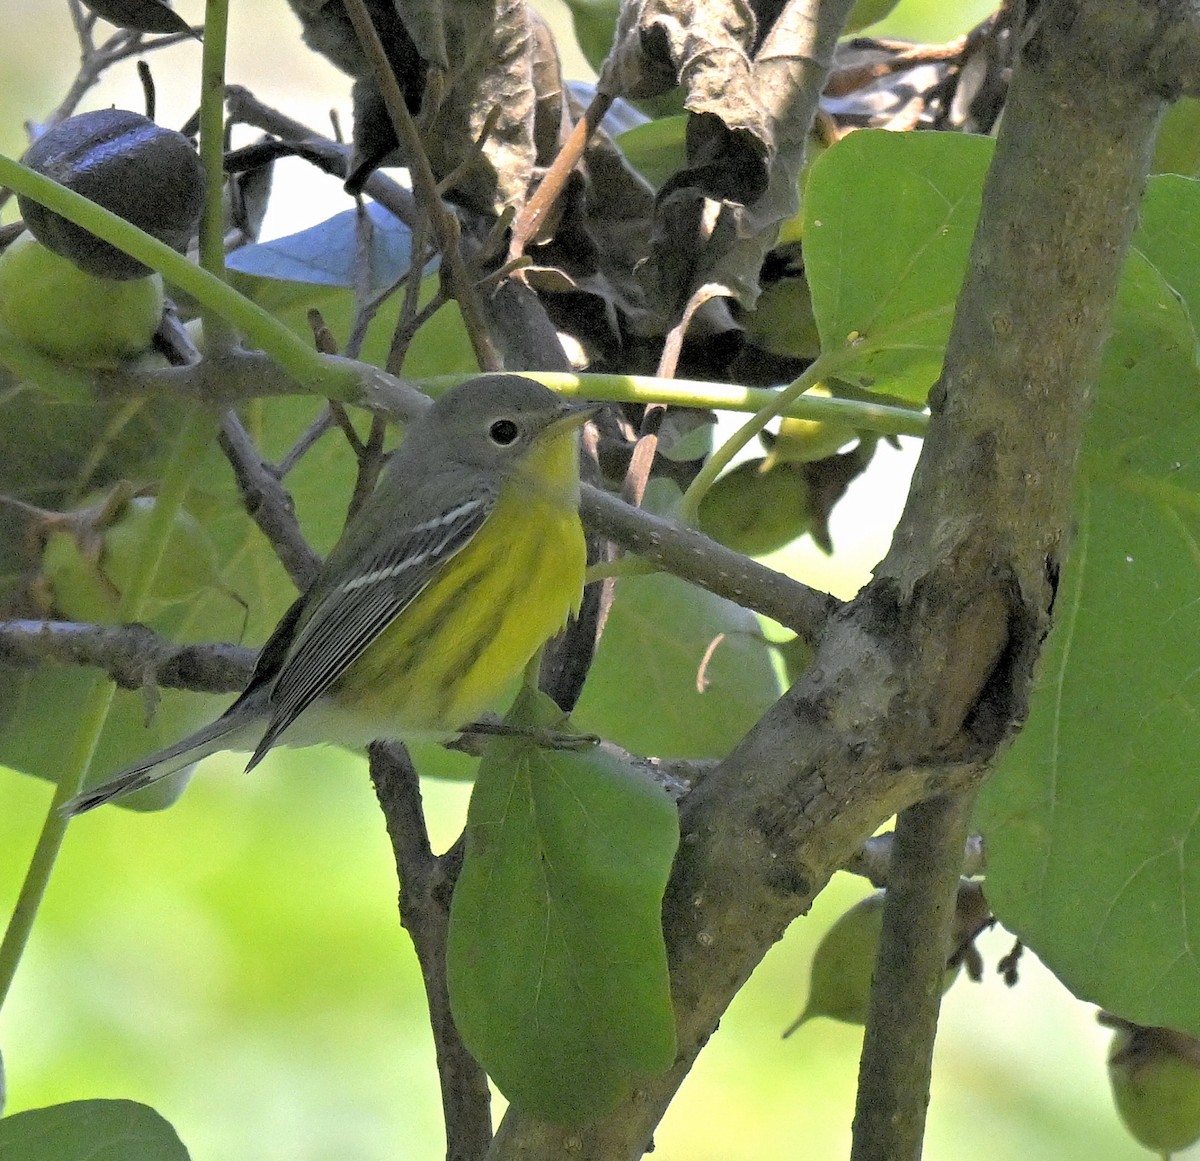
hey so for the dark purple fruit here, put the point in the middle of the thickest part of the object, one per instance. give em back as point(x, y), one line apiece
point(146, 174)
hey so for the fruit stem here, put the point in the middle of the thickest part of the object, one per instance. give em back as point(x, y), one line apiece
point(824, 366)
point(185, 457)
point(860, 414)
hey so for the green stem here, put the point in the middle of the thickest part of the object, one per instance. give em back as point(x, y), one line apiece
point(286, 348)
point(189, 448)
point(863, 415)
point(37, 876)
point(185, 456)
point(824, 367)
point(217, 333)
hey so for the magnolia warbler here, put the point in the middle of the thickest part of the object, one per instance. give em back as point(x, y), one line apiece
point(467, 557)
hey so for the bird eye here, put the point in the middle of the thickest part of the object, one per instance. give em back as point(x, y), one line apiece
point(503, 432)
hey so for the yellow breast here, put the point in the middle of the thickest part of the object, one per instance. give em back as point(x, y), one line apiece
point(459, 646)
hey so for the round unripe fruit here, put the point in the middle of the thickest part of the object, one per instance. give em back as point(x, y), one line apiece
point(49, 303)
point(189, 565)
point(802, 441)
point(76, 582)
point(756, 513)
point(1155, 1077)
point(782, 320)
point(87, 568)
point(843, 964)
point(864, 13)
point(146, 174)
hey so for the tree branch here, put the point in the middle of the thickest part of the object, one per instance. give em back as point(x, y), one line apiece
point(268, 503)
point(426, 885)
point(693, 556)
point(910, 968)
point(132, 655)
point(234, 376)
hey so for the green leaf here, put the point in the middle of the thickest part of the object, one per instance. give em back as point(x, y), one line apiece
point(1089, 820)
point(595, 22)
point(888, 222)
point(704, 675)
point(557, 965)
point(1172, 243)
point(90, 1131)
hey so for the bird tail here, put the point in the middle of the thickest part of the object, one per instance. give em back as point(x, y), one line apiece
point(223, 734)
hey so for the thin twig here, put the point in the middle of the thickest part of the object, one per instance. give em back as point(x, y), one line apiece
point(463, 167)
point(370, 464)
point(905, 56)
point(426, 884)
point(640, 462)
point(536, 210)
point(324, 422)
point(408, 324)
point(268, 503)
point(445, 224)
point(339, 417)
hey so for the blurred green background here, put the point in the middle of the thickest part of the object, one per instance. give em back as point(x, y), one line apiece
point(237, 963)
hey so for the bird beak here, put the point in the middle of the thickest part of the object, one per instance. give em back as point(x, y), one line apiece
point(574, 415)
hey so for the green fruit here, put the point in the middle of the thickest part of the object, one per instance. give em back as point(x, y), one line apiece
point(754, 513)
point(50, 304)
point(189, 566)
point(91, 557)
point(803, 441)
point(1155, 1077)
point(840, 977)
point(865, 13)
point(74, 582)
point(782, 321)
point(843, 964)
